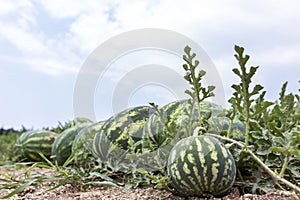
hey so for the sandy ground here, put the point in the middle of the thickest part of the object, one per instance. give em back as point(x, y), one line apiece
point(106, 193)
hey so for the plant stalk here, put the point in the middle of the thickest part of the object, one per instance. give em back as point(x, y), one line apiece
point(246, 132)
point(285, 164)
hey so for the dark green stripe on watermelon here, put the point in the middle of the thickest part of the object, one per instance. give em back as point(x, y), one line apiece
point(30, 143)
point(127, 124)
point(200, 164)
point(62, 146)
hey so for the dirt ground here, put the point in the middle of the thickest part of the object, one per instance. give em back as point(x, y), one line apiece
point(111, 193)
point(69, 192)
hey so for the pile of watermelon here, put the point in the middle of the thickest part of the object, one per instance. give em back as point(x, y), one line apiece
point(195, 164)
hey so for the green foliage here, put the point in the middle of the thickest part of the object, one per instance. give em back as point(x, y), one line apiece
point(243, 97)
point(271, 134)
point(159, 180)
point(66, 125)
point(276, 136)
point(194, 77)
point(7, 142)
point(197, 92)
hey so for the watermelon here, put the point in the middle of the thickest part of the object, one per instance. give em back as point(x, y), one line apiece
point(201, 164)
point(155, 132)
point(177, 123)
point(120, 134)
point(30, 143)
point(84, 139)
point(62, 146)
point(83, 144)
point(80, 120)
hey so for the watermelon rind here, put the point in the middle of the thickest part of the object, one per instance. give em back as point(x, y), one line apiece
point(31, 143)
point(62, 146)
point(201, 164)
point(121, 135)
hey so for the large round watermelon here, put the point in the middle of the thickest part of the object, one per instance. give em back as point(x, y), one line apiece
point(62, 146)
point(201, 164)
point(121, 134)
point(31, 143)
point(176, 123)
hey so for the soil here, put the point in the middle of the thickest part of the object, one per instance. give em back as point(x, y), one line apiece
point(111, 193)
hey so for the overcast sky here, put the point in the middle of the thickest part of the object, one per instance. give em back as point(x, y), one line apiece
point(43, 45)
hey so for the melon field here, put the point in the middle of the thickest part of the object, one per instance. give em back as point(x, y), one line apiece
point(186, 149)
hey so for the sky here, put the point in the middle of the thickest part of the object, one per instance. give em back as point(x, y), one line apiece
point(43, 45)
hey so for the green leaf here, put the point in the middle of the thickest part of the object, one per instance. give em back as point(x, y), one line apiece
point(278, 149)
point(252, 72)
point(20, 188)
point(282, 92)
point(189, 93)
point(211, 88)
point(256, 89)
point(185, 67)
point(236, 87)
point(187, 50)
point(237, 72)
point(261, 108)
point(202, 73)
point(196, 63)
point(238, 49)
point(295, 152)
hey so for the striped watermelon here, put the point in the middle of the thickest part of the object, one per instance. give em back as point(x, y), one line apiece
point(84, 139)
point(62, 146)
point(80, 120)
point(176, 124)
point(120, 134)
point(83, 142)
point(155, 132)
point(201, 164)
point(30, 143)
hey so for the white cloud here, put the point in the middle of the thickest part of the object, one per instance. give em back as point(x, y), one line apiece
point(27, 42)
point(89, 30)
point(212, 23)
point(36, 49)
point(51, 66)
point(283, 55)
point(59, 9)
point(40, 53)
point(10, 6)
